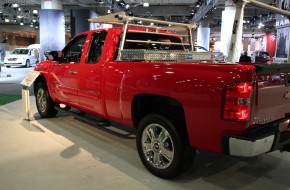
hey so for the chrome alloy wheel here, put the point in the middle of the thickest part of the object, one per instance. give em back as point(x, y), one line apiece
point(157, 145)
point(41, 100)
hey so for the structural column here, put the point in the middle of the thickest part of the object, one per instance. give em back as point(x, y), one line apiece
point(203, 35)
point(52, 26)
point(79, 20)
point(227, 26)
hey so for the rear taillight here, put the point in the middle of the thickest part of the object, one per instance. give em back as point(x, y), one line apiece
point(237, 101)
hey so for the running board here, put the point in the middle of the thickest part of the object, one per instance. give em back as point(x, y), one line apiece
point(113, 128)
point(81, 117)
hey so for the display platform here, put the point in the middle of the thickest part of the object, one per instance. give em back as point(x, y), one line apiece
point(64, 153)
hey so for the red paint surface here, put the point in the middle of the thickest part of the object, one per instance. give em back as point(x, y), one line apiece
point(199, 88)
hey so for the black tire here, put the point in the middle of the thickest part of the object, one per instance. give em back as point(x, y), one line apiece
point(27, 63)
point(44, 103)
point(8, 66)
point(166, 156)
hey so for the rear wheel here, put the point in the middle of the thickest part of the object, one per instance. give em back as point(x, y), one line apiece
point(44, 103)
point(162, 148)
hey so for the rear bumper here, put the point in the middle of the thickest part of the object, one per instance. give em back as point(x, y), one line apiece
point(262, 139)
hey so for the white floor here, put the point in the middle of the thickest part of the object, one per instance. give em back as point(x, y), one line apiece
point(13, 74)
point(63, 153)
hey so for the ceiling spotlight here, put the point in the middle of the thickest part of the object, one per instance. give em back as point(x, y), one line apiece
point(15, 5)
point(146, 4)
point(99, 1)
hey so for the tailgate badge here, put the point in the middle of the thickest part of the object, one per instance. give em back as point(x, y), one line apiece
point(287, 95)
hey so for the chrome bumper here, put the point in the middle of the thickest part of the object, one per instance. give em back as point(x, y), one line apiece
point(246, 148)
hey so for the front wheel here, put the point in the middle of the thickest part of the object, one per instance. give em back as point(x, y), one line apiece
point(27, 63)
point(161, 147)
point(44, 103)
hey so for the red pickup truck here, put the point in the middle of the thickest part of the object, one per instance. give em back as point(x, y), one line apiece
point(146, 77)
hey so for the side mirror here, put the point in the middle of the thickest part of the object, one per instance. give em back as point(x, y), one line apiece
point(52, 55)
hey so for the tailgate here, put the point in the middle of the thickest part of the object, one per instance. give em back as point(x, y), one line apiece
point(272, 97)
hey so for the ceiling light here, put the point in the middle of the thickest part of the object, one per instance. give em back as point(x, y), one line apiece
point(15, 5)
point(146, 4)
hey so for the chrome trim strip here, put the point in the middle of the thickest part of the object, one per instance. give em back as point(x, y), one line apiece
point(89, 91)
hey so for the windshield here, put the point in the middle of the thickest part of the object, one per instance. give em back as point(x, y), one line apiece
point(20, 51)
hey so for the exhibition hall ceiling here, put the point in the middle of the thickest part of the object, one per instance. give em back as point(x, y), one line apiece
point(206, 11)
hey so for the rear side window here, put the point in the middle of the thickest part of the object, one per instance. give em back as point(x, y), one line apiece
point(152, 37)
point(96, 47)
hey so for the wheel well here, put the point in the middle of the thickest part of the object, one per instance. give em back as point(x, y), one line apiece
point(144, 104)
point(39, 79)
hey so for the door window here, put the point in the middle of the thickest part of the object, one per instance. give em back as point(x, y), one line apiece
point(73, 51)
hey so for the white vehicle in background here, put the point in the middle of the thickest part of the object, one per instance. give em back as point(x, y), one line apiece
point(23, 56)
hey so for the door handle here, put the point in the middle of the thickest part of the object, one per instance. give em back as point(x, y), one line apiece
point(73, 72)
